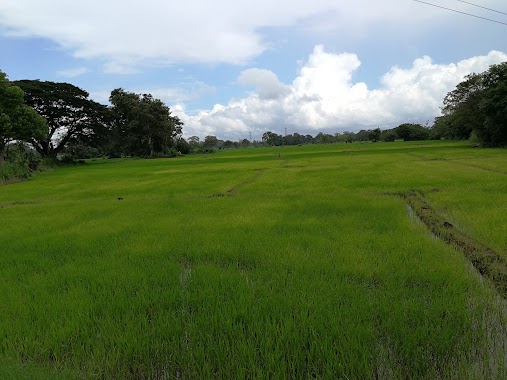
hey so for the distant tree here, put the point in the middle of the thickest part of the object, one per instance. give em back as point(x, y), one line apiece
point(67, 110)
point(374, 134)
point(362, 135)
point(194, 141)
point(346, 137)
point(272, 139)
point(412, 132)
point(142, 125)
point(17, 120)
point(210, 142)
point(298, 139)
point(388, 135)
point(245, 143)
point(228, 144)
point(220, 144)
point(183, 146)
point(288, 140)
point(324, 138)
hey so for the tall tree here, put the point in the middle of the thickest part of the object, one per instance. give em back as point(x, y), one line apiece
point(17, 120)
point(272, 139)
point(143, 125)
point(375, 134)
point(493, 131)
point(324, 138)
point(67, 110)
point(194, 141)
point(462, 113)
point(210, 142)
point(412, 132)
point(183, 146)
point(478, 104)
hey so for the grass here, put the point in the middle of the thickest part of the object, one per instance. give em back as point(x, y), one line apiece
point(284, 262)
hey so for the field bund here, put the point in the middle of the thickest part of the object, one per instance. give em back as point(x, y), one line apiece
point(273, 263)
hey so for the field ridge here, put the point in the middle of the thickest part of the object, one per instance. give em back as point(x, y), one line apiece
point(489, 263)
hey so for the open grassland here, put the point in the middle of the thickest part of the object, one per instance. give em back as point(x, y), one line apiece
point(292, 262)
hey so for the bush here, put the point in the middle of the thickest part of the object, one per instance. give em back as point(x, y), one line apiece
point(20, 163)
point(203, 150)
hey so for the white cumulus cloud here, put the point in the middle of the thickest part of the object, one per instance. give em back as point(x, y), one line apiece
point(73, 72)
point(323, 97)
point(130, 34)
point(266, 83)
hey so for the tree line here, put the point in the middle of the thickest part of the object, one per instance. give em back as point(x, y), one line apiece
point(476, 110)
point(55, 119)
point(405, 131)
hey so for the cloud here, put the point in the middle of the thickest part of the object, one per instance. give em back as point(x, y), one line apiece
point(323, 97)
point(119, 68)
point(183, 92)
point(266, 83)
point(127, 35)
point(73, 72)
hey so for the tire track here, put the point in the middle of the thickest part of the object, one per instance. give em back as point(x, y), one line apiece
point(488, 263)
point(235, 188)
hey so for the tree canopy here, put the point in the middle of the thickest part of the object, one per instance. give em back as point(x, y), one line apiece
point(17, 120)
point(412, 132)
point(478, 104)
point(67, 110)
point(142, 125)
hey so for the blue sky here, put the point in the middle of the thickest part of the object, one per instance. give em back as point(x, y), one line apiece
point(231, 68)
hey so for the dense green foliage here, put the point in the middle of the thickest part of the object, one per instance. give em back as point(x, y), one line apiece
point(59, 121)
point(290, 262)
point(142, 125)
point(412, 132)
point(135, 125)
point(17, 120)
point(21, 162)
point(479, 105)
point(67, 110)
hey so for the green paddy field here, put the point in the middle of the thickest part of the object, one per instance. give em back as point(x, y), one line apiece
point(266, 263)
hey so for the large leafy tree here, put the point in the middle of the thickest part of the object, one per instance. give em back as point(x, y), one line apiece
point(142, 126)
point(194, 141)
point(210, 142)
point(412, 132)
point(478, 104)
point(17, 120)
point(461, 110)
point(493, 130)
point(272, 138)
point(67, 110)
